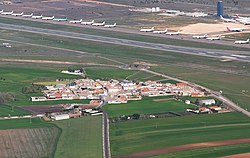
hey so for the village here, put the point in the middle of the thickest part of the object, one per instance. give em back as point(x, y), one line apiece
point(114, 91)
point(101, 92)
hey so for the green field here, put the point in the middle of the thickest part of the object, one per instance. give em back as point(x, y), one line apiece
point(147, 105)
point(107, 73)
point(135, 136)
point(80, 137)
point(19, 76)
point(23, 123)
point(11, 111)
point(209, 152)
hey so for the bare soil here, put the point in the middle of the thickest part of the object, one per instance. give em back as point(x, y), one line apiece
point(40, 109)
point(245, 155)
point(202, 28)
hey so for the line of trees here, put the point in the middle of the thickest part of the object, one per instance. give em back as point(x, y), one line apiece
point(32, 89)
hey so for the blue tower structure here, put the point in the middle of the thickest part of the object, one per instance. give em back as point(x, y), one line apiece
point(220, 8)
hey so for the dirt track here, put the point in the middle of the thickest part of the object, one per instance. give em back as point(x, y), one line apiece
point(185, 147)
point(245, 155)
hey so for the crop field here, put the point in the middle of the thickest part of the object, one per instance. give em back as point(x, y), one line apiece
point(28, 143)
point(148, 105)
point(209, 152)
point(135, 136)
point(82, 136)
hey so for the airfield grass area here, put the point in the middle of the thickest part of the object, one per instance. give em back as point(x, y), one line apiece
point(209, 152)
point(81, 137)
point(135, 136)
point(117, 34)
point(148, 105)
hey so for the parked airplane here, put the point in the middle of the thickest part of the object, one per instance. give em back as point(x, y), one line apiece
point(27, 15)
point(173, 33)
point(7, 13)
point(242, 42)
point(17, 14)
point(200, 36)
point(213, 38)
point(147, 30)
point(36, 16)
point(110, 26)
point(87, 22)
point(99, 24)
point(75, 21)
point(235, 29)
point(237, 17)
point(245, 21)
point(48, 18)
point(60, 19)
point(227, 19)
point(160, 32)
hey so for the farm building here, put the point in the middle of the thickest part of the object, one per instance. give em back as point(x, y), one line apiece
point(187, 101)
point(216, 108)
point(38, 98)
point(60, 117)
point(207, 102)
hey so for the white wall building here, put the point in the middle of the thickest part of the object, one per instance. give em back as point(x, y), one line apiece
point(207, 102)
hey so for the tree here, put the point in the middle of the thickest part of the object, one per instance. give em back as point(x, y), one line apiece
point(136, 116)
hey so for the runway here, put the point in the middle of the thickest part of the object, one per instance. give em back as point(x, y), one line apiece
point(221, 54)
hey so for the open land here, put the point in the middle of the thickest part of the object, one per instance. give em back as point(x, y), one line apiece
point(130, 137)
point(187, 147)
point(79, 137)
point(127, 137)
point(209, 152)
point(146, 106)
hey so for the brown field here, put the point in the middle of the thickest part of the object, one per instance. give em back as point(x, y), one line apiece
point(28, 143)
point(185, 147)
point(40, 109)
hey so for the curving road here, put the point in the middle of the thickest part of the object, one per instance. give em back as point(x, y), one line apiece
point(230, 55)
point(212, 93)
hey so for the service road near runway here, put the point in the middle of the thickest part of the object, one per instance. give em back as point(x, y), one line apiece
point(244, 56)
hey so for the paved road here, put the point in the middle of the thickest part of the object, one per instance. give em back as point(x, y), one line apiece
point(231, 55)
point(106, 136)
point(213, 93)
